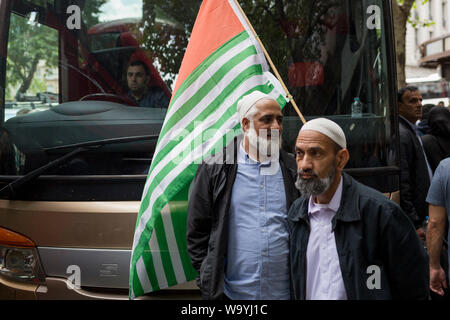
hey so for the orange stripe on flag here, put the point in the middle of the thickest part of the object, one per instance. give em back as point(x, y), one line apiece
point(216, 23)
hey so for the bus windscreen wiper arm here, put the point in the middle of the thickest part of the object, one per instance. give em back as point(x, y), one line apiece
point(12, 187)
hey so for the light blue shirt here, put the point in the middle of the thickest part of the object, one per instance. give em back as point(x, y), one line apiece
point(439, 192)
point(257, 263)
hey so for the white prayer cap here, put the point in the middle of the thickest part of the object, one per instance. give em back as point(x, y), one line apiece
point(247, 102)
point(327, 127)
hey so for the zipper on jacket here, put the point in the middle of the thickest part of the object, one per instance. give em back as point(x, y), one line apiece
point(304, 256)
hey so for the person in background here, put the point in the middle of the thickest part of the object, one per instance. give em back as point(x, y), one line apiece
point(441, 104)
point(415, 174)
point(436, 142)
point(138, 78)
point(439, 212)
point(343, 232)
point(423, 123)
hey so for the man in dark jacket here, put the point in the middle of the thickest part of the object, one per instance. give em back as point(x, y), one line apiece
point(237, 233)
point(348, 241)
point(416, 174)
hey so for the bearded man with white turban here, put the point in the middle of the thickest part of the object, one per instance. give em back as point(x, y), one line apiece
point(348, 241)
point(237, 231)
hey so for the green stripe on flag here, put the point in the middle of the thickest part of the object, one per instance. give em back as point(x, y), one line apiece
point(149, 266)
point(136, 284)
point(178, 209)
point(164, 250)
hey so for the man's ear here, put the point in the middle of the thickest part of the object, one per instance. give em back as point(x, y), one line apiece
point(342, 158)
point(245, 123)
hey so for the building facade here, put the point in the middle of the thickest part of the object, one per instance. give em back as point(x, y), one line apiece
point(428, 47)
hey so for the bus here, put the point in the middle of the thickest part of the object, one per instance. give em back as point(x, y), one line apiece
point(433, 88)
point(72, 171)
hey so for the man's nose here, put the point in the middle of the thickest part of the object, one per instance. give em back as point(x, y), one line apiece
point(275, 125)
point(304, 163)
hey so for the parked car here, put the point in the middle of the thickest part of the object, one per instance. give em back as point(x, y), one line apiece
point(48, 97)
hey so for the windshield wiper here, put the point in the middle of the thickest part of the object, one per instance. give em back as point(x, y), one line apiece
point(11, 188)
point(103, 142)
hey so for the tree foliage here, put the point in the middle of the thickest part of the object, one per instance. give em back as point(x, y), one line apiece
point(28, 44)
point(31, 42)
point(167, 26)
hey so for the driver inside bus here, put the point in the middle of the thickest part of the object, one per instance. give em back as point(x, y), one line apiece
point(138, 78)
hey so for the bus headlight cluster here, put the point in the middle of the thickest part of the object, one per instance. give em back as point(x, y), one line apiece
point(19, 259)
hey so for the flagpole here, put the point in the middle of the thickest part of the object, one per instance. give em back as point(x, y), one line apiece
point(291, 99)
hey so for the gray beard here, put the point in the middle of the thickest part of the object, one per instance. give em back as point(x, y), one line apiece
point(314, 186)
point(262, 145)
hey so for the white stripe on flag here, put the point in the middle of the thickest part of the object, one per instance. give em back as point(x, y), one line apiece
point(143, 276)
point(172, 244)
point(157, 262)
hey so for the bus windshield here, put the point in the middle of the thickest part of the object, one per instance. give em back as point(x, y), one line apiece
point(81, 71)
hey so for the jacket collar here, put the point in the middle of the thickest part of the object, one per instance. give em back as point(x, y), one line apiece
point(411, 126)
point(348, 209)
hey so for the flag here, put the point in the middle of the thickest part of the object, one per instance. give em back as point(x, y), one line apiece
point(223, 62)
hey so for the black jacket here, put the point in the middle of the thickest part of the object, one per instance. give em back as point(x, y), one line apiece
point(414, 178)
point(436, 148)
point(207, 223)
point(437, 140)
point(369, 230)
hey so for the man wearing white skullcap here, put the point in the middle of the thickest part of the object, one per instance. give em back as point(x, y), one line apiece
point(341, 231)
point(258, 144)
point(237, 232)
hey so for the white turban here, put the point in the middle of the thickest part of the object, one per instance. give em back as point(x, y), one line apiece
point(247, 102)
point(327, 127)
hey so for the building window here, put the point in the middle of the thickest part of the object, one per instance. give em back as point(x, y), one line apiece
point(416, 38)
point(444, 13)
point(430, 10)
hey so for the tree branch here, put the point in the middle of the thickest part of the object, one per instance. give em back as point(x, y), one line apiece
point(405, 8)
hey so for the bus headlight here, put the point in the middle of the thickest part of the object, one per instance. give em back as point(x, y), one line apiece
point(18, 259)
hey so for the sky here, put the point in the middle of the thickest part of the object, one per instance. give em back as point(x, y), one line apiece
point(119, 9)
